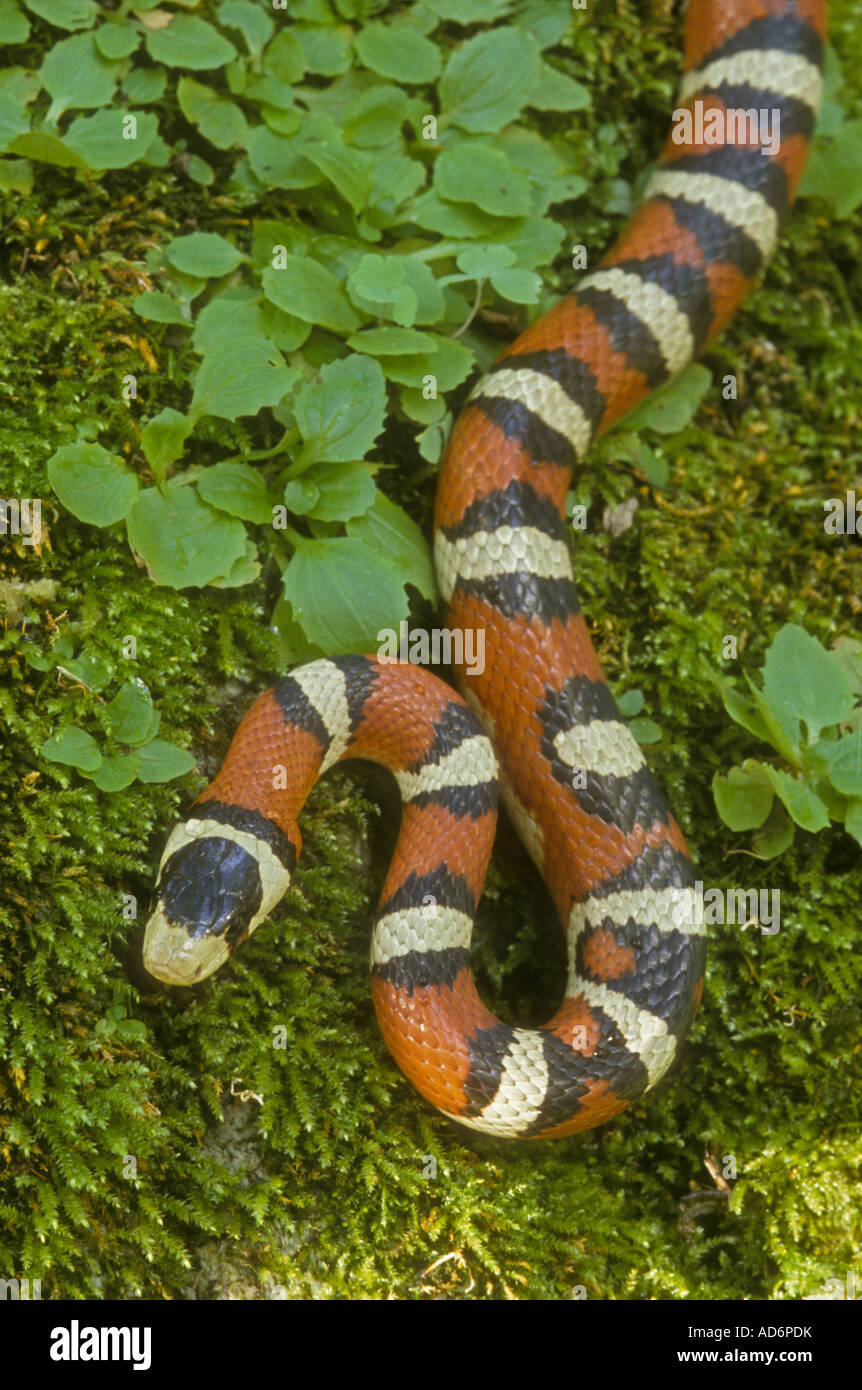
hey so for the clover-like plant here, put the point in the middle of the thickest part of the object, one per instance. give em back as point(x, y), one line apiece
point(131, 750)
point(810, 712)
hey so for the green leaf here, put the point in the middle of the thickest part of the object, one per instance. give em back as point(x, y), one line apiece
point(307, 291)
point(65, 14)
point(768, 844)
point(218, 120)
point(400, 54)
point(341, 412)
point(92, 484)
point(489, 79)
point(448, 366)
point(519, 286)
point(556, 91)
point(376, 116)
point(238, 489)
point(270, 235)
point(480, 262)
point(630, 703)
point(294, 646)
point(476, 173)
point(800, 799)
point(283, 120)
point(744, 797)
point(143, 85)
point(189, 42)
point(834, 170)
point(74, 747)
point(182, 541)
point(382, 280)
point(161, 762)
point(240, 379)
point(550, 175)
point(802, 680)
point(430, 304)
point(342, 593)
point(284, 58)
point(743, 711)
point(645, 730)
point(116, 772)
point(327, 51)
point(674, 405)
point(93, 670)
point(300, 496)
point(546, 20)
point(204, 254)
point(457, 220)
point(162, 440)
point(345, 490)
point(130, 714)
point(347, 170)
point(14, 26)
point(13, 121)
point(75, 74)
point(46, 149)
point(16, 176)
point(630, 449)
point(116, 41)
point(395, 179)
point(244, 570)
point(158, 155)
point(112, 139)
point(853, 820)
point(278, 107)
point(469, 11)
point(21, 84)
point(392, 342)
point(430, 443)
point(848, 654)
point(783, 732)
point(131, 1027)
point(255, 26)
point(63, 649)
point(845, 763)
point(36, 659)
point(278, 162)
point(391, 533)
point(159, 308)
point(235, 313)
point(534, 240)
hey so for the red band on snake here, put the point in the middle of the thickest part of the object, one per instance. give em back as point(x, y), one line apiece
point(570, 773)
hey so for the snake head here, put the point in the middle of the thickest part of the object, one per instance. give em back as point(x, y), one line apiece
point(215, 885)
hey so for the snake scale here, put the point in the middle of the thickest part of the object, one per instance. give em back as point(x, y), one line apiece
point(539, 726)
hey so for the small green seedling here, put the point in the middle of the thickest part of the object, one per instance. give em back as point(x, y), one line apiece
point(131, 749)
point(630, 705)
point(116, 1025)
point(809, 711)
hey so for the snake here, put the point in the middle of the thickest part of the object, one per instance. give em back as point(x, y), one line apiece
point(535, 725)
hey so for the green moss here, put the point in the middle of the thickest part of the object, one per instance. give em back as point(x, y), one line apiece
point(310, 1177)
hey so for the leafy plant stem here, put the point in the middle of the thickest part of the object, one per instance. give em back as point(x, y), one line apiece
point(438, 251)
point(288, 439)
point(289, 534)
point(480, 285)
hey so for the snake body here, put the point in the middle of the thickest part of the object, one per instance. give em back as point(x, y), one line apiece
point(570, 773)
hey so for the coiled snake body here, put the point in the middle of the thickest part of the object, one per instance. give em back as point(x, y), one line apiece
point(571, 775)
